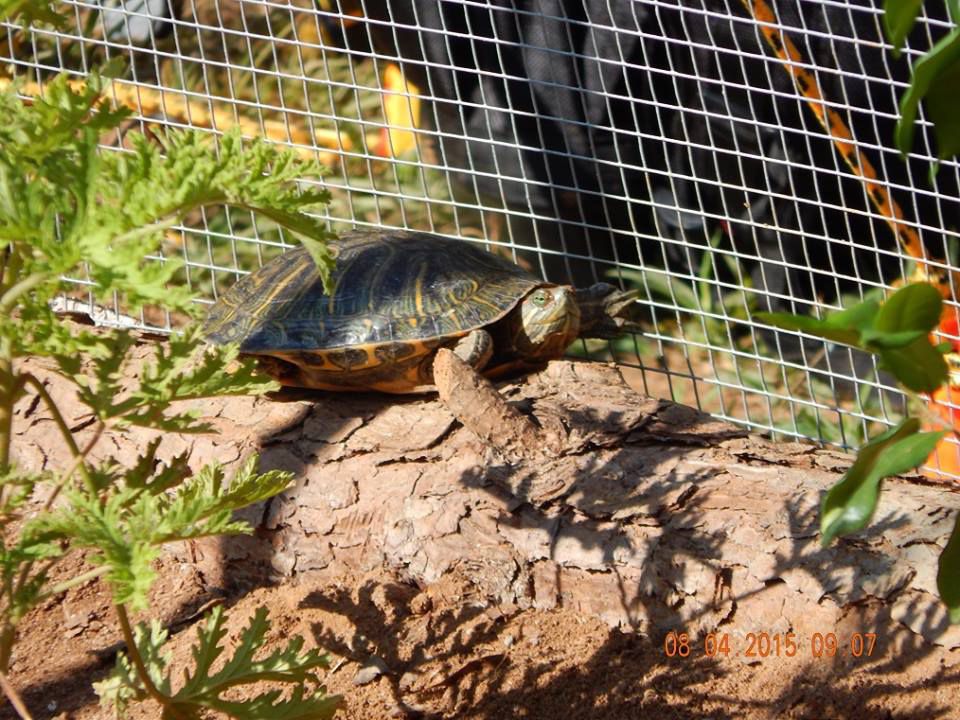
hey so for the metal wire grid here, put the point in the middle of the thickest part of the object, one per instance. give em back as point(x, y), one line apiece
point(296, 70)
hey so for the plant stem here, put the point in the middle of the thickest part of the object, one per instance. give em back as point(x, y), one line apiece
point(78, 461)
point(9, 627)
point(14, 697)
point(10, 297)
point(134, 653)
point(7, 636)
point(73, 582)
point(11, 267)
point(8, 391)
point(154, 227)
point(61, 425)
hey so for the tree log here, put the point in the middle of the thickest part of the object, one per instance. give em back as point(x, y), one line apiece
point(575, 492)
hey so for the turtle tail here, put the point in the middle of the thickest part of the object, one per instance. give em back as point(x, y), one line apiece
point(607, 313)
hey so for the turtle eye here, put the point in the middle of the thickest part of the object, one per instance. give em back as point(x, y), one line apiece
point(541, 298)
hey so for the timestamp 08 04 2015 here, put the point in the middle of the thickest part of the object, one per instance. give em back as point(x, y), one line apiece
point(762, 645)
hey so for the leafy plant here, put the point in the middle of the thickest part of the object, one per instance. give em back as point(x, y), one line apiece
point(69, 208)
point(935, 77)
point(898, 332)
point(203, 688)
point(31, 11)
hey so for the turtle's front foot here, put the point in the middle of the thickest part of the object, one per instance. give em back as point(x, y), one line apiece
point(475, 349)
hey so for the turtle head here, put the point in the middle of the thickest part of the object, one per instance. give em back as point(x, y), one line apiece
point(545, 323)
point(607, 313)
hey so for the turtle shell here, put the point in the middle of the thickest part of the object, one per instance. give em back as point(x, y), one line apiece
point(395, 298)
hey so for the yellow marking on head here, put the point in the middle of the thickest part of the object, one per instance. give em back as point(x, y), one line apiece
point(413, 322)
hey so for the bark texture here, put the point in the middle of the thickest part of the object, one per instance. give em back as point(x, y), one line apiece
point(578, 492)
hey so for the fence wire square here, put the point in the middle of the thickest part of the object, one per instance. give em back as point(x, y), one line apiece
point(657, 145)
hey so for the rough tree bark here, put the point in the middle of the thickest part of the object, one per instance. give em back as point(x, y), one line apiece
point(579, 492)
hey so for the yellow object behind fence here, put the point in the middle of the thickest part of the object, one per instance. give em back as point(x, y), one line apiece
point(401, 110)
point(214, 114)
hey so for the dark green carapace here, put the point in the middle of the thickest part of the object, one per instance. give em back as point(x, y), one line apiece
point(395, 298)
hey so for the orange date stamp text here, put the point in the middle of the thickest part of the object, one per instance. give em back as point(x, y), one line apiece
point(760, 645)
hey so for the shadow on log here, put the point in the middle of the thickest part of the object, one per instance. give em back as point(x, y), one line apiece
point(577, 493)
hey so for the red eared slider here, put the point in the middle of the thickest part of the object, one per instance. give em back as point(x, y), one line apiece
point(395, 298)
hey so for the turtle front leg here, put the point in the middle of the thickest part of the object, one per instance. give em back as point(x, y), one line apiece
point(475, 349)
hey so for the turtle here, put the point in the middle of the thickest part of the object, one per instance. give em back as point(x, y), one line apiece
point(395, 298)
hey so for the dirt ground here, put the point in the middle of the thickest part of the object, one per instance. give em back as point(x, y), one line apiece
point(445, 655)
point(403, 647)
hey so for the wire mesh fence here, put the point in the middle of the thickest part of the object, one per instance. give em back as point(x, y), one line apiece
point(662, 146)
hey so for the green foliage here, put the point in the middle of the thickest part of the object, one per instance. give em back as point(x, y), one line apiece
point(898, 332)
point(936, 77)
point(29, 12)
point(849, 505)
point(899, 17)
point(63, 201)
point(126, 521)
point(703, 300)
point(203, 688)
point(125, 685)
point(185, 368)
point(948, 576)
point(68, 207)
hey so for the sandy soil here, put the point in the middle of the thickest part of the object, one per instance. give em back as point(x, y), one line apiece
point(448, 655)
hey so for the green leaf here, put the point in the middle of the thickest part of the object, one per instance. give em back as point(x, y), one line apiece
point(65, 202)
point(660, 284)
point(287, 665)
point(31, 12)
point(849, 505)
point(123, 685)
point(859, 317)
point(271, 706)
point(16, 487)
point(322, 257)
point(126, 523)
point(897, 330)
point(202, 506)
point(916, 306)
point(932, 77)
point(941, 105)
point(899, 17)
point(149, 474)
point(203, 687)
point(948, 576)
point(843, 327)
point(21, 586)
point(899, 334)
point(919, 366)
point(183, 368)
point(875, 341)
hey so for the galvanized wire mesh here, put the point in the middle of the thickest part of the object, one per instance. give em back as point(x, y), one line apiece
point(658, 145)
